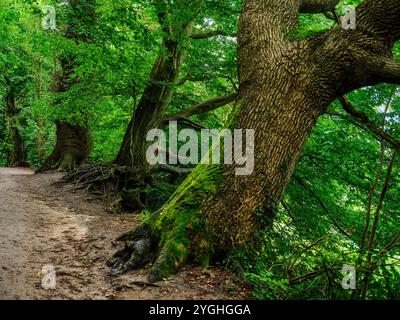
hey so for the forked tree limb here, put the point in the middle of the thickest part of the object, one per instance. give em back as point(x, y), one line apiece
point(361, 56)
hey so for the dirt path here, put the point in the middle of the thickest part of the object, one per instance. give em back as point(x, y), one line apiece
point(42, 225)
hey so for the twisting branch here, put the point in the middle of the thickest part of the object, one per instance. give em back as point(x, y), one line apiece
point(391, 245)
point(377, 176)
point(203, 107)
point(380, 200)
point(186, 122)
point(207, 35)
point(323, 206)
point(363, 118)
point(371, 267)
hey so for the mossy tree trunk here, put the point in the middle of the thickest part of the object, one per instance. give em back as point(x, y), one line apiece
point(285, 85)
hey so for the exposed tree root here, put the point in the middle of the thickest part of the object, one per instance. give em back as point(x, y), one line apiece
point(119, 183)
point(137, 252)
point(165, 238)
point(64, 162)
point(127, 188)
point(174, 234)
point(143, 247)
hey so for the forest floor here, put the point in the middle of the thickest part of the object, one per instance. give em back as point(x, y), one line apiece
point(74, 232)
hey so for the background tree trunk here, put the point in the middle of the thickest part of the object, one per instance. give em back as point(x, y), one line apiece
point(72, 146)
point(151, 108)
point(81, 17)
point(150, 112)
point(17, 157)
point(40, 123)
point(71, 149)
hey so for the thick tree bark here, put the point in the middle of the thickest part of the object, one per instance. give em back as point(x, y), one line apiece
point(285, 85)
point(17, 157)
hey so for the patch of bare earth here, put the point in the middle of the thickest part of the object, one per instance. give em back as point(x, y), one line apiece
point(44, 225)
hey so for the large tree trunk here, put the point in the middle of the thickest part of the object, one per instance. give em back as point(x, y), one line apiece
point(285, 84)
point(17, 157)
point(71, 149)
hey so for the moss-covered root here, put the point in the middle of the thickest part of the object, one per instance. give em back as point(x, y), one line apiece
point(175, 233)
point(136, 253)
point(141, 247)
point(168, 262)
point(167, 253)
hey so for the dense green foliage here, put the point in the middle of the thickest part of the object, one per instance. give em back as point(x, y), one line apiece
point(321, 220)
